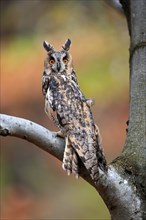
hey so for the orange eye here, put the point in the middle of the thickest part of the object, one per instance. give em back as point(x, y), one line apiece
point(51, 61)
point(65, 61)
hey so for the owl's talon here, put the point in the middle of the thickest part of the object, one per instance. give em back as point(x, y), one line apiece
point(60, 134)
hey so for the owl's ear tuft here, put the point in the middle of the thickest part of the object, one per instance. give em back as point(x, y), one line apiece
point(48, 47)
point(67, 44)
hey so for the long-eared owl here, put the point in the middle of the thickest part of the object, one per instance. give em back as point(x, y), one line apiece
point(71, 112)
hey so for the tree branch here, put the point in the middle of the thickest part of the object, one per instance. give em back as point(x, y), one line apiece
point(38, 135)
point(32, 132)
point(111, 186)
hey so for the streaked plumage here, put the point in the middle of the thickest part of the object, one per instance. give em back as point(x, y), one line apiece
point(70, 111)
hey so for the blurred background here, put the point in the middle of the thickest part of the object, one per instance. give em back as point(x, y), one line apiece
point(33, 184)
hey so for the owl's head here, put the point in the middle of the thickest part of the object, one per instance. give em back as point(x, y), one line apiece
point(58, 61)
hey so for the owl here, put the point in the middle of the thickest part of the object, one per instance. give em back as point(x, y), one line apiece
point(71, 112)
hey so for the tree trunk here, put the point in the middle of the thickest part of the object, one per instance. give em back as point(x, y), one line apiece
point(132, 163)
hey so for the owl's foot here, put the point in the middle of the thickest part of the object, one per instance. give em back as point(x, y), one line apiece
point(60, 134)
point(70, 160)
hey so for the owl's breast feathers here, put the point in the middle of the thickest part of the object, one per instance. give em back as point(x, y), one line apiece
point(67, 105)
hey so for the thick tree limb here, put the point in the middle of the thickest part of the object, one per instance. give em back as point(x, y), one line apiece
point(36, 134)
point(111, 186)
point(32, 132)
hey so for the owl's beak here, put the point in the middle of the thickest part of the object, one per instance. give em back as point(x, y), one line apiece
point(58, 66)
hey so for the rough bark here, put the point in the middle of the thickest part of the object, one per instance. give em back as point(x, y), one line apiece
point(133, 158)
point(123, 188)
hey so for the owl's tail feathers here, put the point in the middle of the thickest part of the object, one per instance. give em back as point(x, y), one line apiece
point(92, 157)
point(90, 162)
point(70, 160)
point(87, 155)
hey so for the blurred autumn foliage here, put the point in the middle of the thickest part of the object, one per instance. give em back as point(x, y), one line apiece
point(33, 185)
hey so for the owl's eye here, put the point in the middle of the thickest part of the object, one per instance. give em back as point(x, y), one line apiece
point(65, 61)
point(51, 61)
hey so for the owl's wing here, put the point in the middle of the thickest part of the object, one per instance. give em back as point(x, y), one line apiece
point(84, 140)
point(83, 135)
